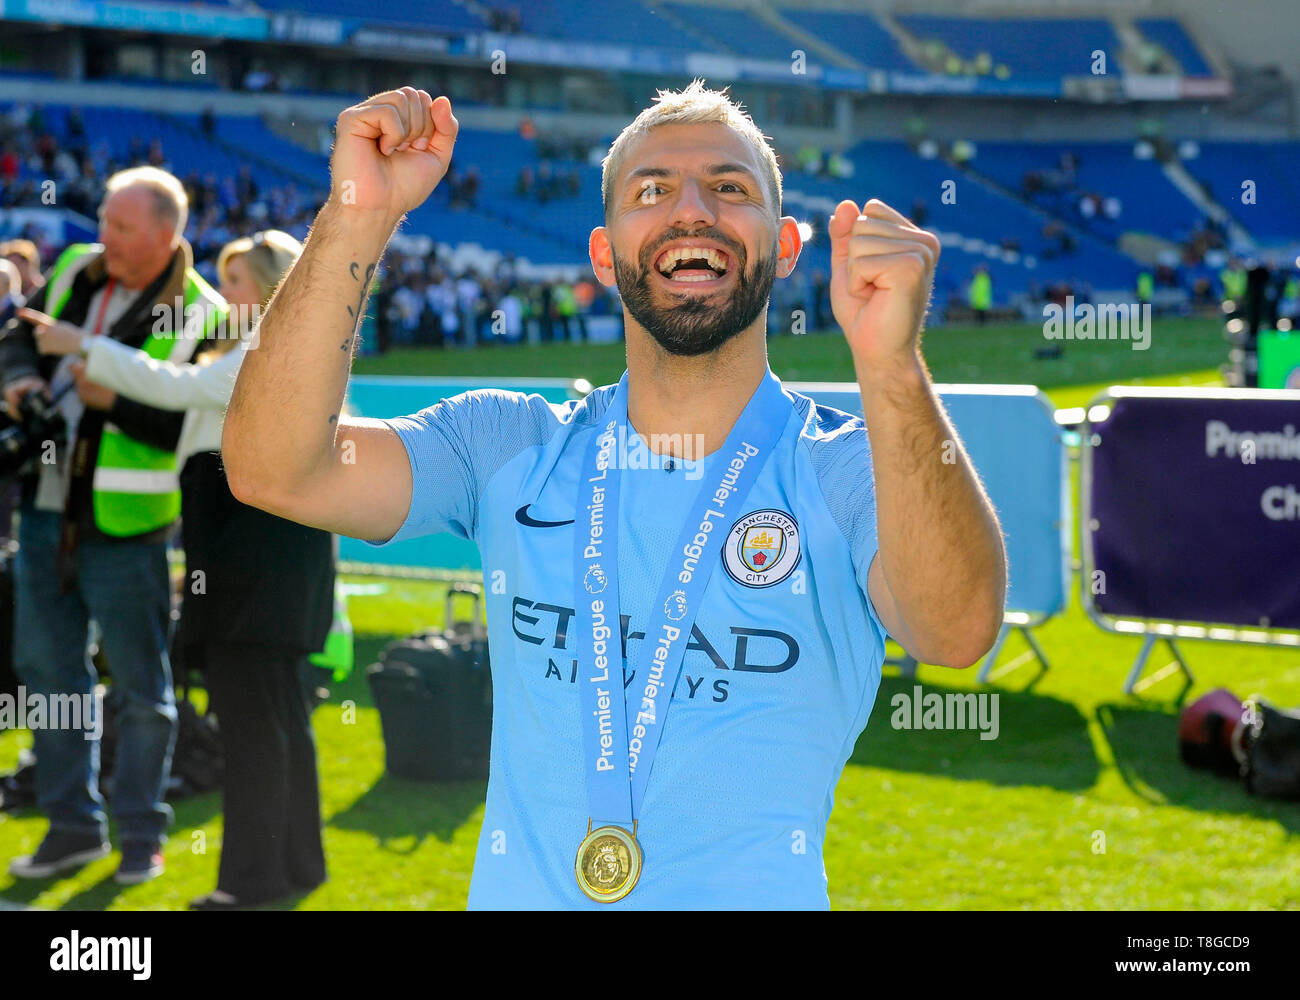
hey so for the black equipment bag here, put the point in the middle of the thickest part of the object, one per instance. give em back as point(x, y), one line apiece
point(1270, 743)
point(196, 766)
point(434, 695)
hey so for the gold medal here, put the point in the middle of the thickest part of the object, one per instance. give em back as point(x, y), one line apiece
point(608, 863)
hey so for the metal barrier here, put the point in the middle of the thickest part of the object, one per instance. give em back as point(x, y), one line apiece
point(1017, 448)
point(1190, 518)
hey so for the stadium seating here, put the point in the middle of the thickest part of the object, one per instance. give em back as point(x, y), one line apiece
point(736, 31)
point(601, 21)
point(856, 35)
point(1149, 202)
point(975, 229)
point(1173, 38)
point(1275, 215)
point(446, 15)
point(1043, 47)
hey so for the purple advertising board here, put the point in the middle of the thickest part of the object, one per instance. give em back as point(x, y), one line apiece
point(1191, 507)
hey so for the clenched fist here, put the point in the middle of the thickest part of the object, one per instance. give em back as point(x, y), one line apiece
point(391, 151)
point(882, 270)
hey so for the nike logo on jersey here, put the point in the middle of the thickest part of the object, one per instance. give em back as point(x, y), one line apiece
point(521, 515)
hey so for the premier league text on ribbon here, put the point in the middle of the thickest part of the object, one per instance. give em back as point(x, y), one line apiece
point(616, 784)
point(594, 582)
point(695, 549)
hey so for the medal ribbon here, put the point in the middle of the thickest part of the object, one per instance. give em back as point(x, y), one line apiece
point(617, 771)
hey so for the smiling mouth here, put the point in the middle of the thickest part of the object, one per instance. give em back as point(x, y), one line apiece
point(692, 264)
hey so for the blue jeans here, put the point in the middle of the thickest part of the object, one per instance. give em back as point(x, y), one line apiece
point(124, 587)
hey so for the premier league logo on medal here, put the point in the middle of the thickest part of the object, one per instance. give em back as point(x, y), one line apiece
point(762, 548)
point(675, 606)
point(595, 580)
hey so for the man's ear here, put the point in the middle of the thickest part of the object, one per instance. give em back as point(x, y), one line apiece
point(789, 244)
point(601, 252)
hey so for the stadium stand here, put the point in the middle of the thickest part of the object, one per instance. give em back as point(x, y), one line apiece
point(1271, 165)
point(1027, 46)
point(1147, 201)
point(594, 21)
point(447, 15)
point(1173, 38)
point(862, 38)
point(734, 32)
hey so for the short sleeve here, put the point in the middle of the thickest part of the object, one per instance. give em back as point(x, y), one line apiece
point(439, 442)
point(842, 461)
point(455, 447)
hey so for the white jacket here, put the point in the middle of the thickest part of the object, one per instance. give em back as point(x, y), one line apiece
point(203, 391)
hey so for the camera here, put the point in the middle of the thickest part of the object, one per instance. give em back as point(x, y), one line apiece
point(39, 420)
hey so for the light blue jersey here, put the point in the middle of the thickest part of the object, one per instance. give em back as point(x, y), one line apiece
point(775, 686)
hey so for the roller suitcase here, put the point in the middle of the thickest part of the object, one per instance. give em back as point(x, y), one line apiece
point(434, 695)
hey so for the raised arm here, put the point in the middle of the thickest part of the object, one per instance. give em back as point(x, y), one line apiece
point(939, 577)
point(286, 448)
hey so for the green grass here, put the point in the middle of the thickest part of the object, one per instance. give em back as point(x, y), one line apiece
point(929, 819)
point(954, 354)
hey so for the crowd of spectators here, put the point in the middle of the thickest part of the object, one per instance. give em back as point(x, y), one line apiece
point(418, 300)
point(422, 301)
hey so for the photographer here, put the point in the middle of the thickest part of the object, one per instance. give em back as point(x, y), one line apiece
point(95, 520)
point(258, 599)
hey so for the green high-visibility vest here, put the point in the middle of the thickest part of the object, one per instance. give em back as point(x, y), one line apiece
point(1234, 283)
point(1146, 286)
point(136, 487)
point(981, 290)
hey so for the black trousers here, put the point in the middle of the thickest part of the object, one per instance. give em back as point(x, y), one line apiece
point(271, 843)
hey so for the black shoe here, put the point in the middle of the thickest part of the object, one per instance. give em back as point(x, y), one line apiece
point(61, 850)
point(218, 900)
point(142, 860)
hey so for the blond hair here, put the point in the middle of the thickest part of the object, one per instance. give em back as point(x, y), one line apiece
point(696, 105)
point(268, 255)
point(171, 204)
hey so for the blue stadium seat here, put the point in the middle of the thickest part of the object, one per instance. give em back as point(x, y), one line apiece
point(1035, 47)
point(859, 36)
point(609, 22)
point(1150, 203)
point(736, 31)
point(1173, 38)
point(1225, 166)
point(444, 15)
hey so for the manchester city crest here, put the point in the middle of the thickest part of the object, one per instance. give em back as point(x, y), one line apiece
point(762, 548)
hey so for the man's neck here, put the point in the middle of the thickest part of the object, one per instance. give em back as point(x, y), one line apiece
point(673, 399)
point(140, 284)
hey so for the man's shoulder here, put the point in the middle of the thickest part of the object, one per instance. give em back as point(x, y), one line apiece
point(825, 428)
point(489, 403)
point(502, 422)
point(74, 258)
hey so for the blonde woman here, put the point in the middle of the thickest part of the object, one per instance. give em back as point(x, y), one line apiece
point(258, 597)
